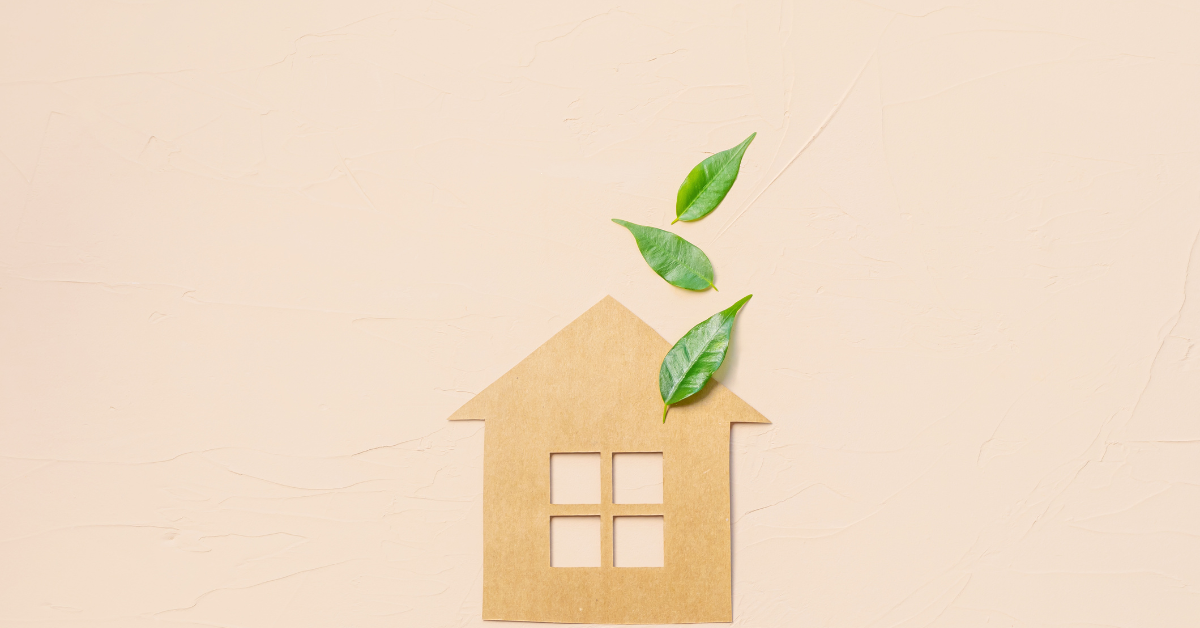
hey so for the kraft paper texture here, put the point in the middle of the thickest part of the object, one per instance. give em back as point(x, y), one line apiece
point(593, 387)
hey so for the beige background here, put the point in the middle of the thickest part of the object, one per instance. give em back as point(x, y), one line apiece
point(253, 254)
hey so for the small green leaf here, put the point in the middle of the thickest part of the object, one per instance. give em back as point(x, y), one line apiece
point(692, 361)
point(708, 183)
point(678, 261)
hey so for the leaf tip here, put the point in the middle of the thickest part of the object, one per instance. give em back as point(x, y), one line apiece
point(738, 306)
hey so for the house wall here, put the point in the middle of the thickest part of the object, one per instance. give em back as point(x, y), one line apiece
point(694, 582)
point(253, 253)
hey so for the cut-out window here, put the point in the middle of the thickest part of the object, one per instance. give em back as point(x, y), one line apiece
point(638, 541)
point(575, 478)
point(575, 541)
point(637, 478)
point(591, 491)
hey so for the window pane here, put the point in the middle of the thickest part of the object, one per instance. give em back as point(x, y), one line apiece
point(575, 541)
point(638, 541)
point(638, 478)
point(574, 478)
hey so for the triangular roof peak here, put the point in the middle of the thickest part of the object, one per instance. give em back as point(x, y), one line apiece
point(607, 357)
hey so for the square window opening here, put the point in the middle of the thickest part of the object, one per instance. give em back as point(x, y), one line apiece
point(638, 541)
point(637, 478)
point(575, 478)
point(575, 541)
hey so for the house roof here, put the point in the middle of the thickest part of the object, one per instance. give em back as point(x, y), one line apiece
point(607, 355)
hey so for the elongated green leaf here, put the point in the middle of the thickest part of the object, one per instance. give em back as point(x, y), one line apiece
point(678, 261)
point(692, 361)
point(708, 183)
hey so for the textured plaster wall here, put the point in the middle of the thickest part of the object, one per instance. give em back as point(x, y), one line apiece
point(252, 254)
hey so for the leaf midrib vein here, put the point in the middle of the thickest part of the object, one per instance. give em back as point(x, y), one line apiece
point(711, 180)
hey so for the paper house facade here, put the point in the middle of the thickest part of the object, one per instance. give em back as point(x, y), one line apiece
point(593, 387)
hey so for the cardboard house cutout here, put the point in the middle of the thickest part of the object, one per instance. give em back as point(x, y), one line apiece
point(593, 387)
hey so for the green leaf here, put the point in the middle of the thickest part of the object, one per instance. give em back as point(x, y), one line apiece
point(708, 183)
point(678, 261)
point(692, 361)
